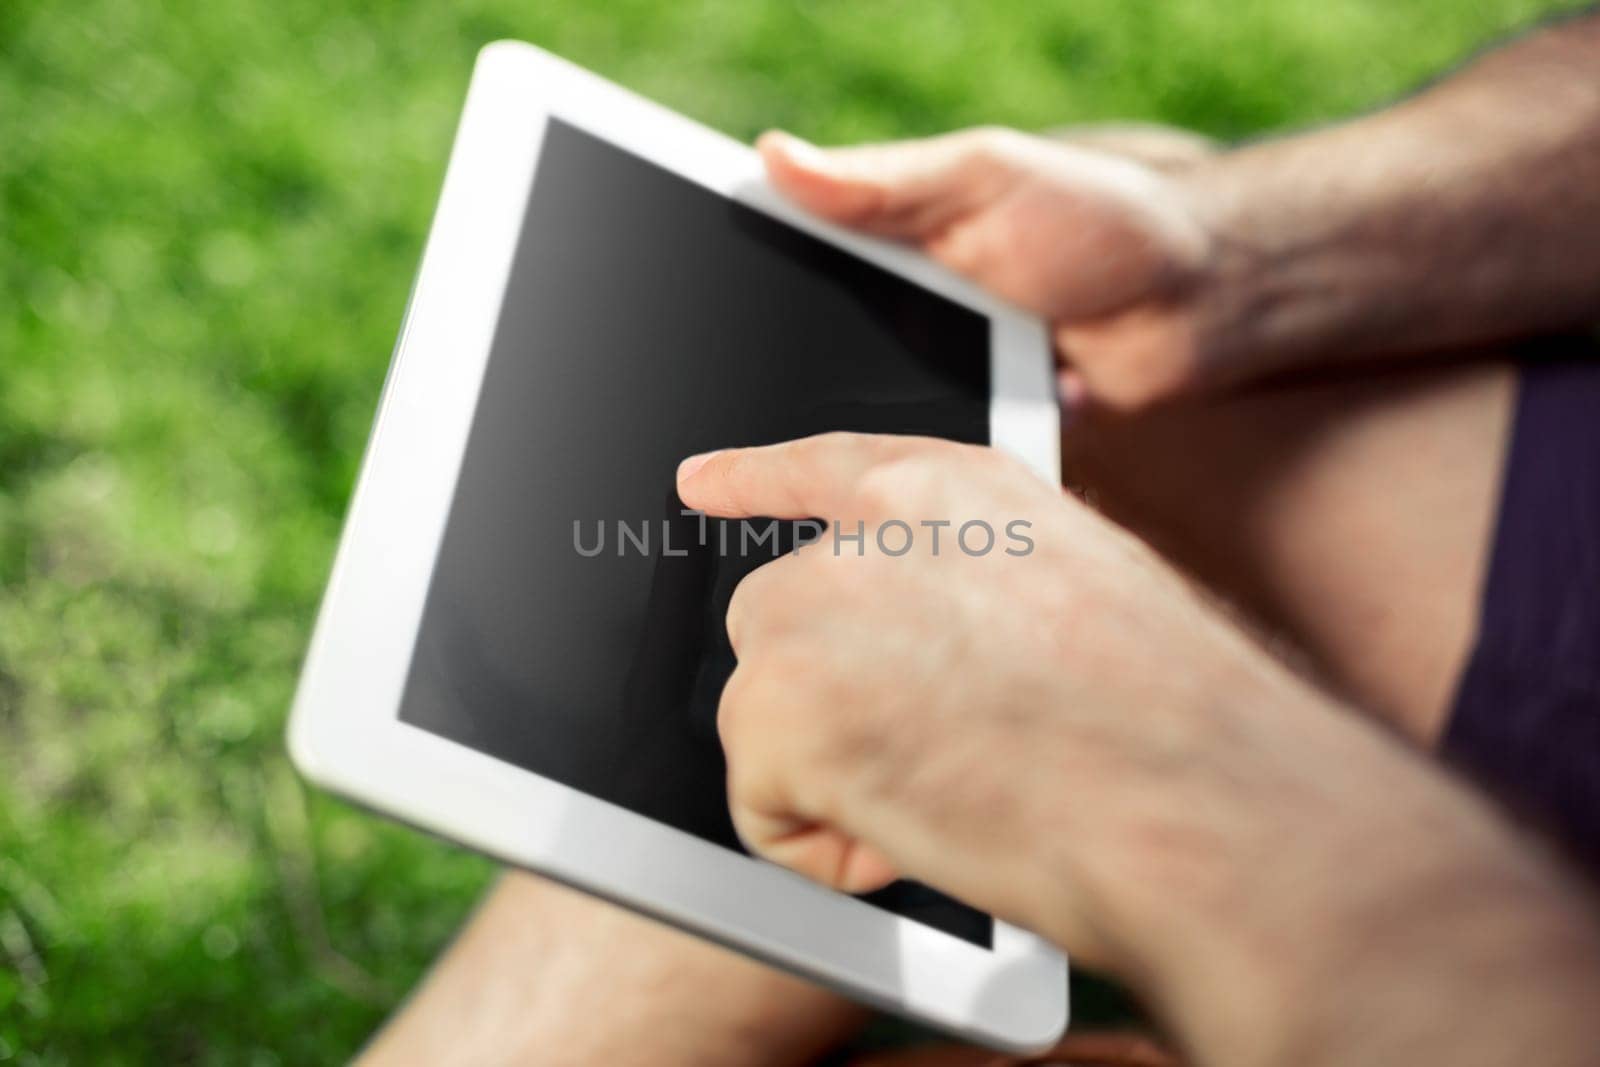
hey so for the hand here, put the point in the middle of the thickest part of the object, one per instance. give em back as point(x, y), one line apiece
point(1109, 249)
point(1062, 734)
point(1003, 724)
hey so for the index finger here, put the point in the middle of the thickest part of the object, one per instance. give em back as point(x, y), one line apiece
point(808, 477)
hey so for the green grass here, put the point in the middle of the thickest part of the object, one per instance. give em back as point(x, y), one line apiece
point(209, 217)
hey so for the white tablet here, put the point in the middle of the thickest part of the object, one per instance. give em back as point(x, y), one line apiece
point(521, 645)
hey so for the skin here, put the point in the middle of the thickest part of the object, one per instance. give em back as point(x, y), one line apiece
point(1478, 200)
point(1367, 457)
point(1170, 277)
point(1074, 741)
point(1346, 521)
point(547, 975)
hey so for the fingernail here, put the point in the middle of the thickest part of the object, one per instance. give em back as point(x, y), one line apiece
point(690, 466)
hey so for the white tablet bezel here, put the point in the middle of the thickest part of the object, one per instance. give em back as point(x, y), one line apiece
point(345, 733)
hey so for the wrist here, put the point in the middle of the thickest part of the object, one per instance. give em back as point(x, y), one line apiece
point(1280, 904)
point(1167, 848)
point(1305, 266)
point(1248, 310)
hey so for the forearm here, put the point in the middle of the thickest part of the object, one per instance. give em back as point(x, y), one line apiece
point(1328, 899)
point(1468, 214)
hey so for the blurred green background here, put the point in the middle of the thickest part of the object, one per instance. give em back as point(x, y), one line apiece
point(209, 217)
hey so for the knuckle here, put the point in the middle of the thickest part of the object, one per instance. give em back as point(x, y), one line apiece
point(750, 829)
point(879, 490)
point(839, 439)
point(1010, 468)
point(984, 139)
point(744, 608)
point(758, 723)
point(785, 674)
point(821, 446)
point(741, 697)
point(905, 482)
point(822, 456)
point(827, 449)
point(956, 248)
point(761, 685)
point(746, 779)
point(990, 143)
point(768, 599)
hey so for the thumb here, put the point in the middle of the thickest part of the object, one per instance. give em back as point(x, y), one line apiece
point(908, 189)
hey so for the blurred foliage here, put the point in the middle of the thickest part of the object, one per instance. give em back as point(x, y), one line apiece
point(210, 211)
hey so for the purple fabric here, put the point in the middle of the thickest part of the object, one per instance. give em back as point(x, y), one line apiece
point(1526, 721)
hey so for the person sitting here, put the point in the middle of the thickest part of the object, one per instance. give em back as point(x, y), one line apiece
point(1296, 730)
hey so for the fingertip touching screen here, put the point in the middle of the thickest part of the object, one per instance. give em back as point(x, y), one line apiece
point(574, 621)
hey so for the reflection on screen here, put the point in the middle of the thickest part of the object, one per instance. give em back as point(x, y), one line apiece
point(645, 319)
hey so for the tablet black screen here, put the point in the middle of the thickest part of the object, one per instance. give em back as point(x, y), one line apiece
point(647, 318)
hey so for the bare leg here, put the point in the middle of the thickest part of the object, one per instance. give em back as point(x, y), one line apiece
point(545, 975)
point(1351, 517)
